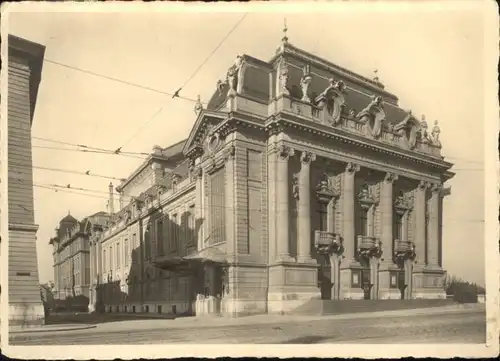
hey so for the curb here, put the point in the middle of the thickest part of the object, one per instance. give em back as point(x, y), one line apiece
point(51, 330)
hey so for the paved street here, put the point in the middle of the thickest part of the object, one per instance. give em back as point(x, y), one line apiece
point(454, 327)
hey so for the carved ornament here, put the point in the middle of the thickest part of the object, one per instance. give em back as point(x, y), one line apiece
point(366, 196)
point(307, 157)
point(373, 116)
point(403, 201)
point(352, 168)
point(285, 152)
point(409, 128)
point(332, 101)
point(325, 191)
point(198, 107)
point(305, 82)
point(435, 135)
point(390, 177)
point(283, 77)
point(232, 76)
point(229, 153)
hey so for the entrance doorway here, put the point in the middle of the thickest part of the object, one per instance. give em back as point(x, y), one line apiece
point(366, 283)
point(402, 283)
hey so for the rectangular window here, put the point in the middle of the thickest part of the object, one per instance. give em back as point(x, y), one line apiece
point(118, 258)
point(135, 248)
point(217, 208)
point(363, 222)
point(159, 236)
point(110, 258)
point(398, 226)
point(105, 261)
point(174, 231)
point(322, 215)
point(147, 242)
point(126, 252)
point(190, 231)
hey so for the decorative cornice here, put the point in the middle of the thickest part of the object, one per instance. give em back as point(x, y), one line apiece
point(284, 120)
point(23, 227)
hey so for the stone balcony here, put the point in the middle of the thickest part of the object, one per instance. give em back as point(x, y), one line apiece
point(404, 249)
point(369, 246)
point(327, 242)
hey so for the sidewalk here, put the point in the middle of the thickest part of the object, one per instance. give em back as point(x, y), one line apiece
point(214, 321)
point(48, 328)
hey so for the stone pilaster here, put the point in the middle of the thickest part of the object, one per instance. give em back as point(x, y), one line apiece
point(387, 238)
point(304, 209)
point(230, 201)
point(199, 214)
point(386, 205)
point(282, 203)
point(346, 290)
point(420, 234)
point(272, 187)
point(433, 242)
point(349, 228)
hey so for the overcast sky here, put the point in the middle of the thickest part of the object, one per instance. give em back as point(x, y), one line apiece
point(430, 59)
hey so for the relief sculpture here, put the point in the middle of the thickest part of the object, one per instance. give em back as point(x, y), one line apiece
point(373, 116)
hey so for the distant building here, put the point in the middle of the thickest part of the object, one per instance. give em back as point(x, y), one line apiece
point(300, 180)
point(71, 255)
point(25, 60)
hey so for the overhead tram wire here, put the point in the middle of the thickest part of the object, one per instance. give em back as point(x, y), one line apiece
point(85, 146)
point(116, 79)
point(90, 151)
point(177, 92)
point(86, 173)
point(210, 55)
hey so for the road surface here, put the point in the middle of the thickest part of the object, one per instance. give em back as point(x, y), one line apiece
point(459, 327)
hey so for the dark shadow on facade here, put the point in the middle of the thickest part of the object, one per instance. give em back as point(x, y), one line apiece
point(154, 271)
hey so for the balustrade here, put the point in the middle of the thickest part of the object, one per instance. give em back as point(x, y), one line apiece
point(328, 242)
point(369, 246)
point(404, 250)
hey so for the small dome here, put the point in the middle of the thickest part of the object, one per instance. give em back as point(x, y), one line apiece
point(69, 219)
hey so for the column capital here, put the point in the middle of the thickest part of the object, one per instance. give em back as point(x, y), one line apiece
point(436, 188)
point(196, 171)
point(307, 157)
point(423, 185)
point(285, 152)
point(390, 177)
point(352, 168)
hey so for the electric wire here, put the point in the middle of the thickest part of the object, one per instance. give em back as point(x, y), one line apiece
point(177, 92)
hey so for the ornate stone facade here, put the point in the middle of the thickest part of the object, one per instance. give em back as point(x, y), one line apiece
point(307, 181)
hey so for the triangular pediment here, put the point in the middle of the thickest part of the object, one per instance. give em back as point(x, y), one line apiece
point(205, 122)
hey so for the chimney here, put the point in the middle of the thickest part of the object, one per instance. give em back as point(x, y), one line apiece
point(111, 202)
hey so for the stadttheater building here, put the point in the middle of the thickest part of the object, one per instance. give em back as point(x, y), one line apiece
point(299, 180)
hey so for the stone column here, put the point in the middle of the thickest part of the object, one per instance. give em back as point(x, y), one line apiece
point(198, 216)
point(349, 229)
point(386, 207)
point(304, 208)
point(230, 201)
point(420, 234)
point(433, 242)
point(282, 203)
